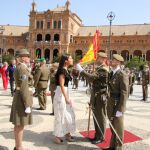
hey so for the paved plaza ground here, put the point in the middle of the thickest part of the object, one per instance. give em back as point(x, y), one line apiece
point(39, 136)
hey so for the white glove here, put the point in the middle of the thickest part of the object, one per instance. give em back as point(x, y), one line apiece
point(78, 67)
point(119, 114)
point(28, 110)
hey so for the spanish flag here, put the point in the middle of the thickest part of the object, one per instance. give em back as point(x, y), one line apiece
point(91, 54)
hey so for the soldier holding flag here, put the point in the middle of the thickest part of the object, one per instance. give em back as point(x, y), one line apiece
point(98, 101)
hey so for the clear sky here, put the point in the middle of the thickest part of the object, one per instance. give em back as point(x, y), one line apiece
point(92, 12)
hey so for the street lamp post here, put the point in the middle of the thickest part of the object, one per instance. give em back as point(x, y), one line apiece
point(110, 17)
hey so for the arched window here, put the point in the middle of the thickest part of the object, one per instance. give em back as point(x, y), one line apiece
point(125, 55)
point(148, 55)
point(78, 54)
point(38, 53)
point(59, 24)
point(55, 53)
point(39, 37)
point(56, 37)
point(112, 52)
point(55, 24)
point(10, 51)
point(47, 37)
point(47, 54)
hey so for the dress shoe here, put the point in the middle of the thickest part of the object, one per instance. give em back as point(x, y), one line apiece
point(40, 108)
point(92, 139)
point(15, 148)
point(97, 141)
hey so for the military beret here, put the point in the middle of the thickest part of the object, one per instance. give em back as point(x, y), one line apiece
point(37, 59)
point(42, 59)
point(24, 52)
point(118, 57)
point(146, 66)
point(102, 54)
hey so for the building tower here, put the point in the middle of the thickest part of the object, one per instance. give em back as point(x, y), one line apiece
point(68, 5)
point(33, 6)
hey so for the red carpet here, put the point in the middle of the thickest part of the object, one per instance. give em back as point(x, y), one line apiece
point(128, 137)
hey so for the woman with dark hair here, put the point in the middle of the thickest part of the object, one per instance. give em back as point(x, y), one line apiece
point(64, 115)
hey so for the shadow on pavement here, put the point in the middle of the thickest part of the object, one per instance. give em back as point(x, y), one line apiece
point(46, 139)
point(3, 148)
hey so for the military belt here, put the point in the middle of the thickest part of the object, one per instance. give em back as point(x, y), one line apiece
point(43, 80)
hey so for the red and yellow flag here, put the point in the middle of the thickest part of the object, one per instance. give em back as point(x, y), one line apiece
point(91, 54)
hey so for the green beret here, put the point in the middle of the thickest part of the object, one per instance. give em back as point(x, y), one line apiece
point(42, 59)
point(146, 66)
point(24, 52)
point(38, 59)
point(102, 54)
point(118, 57)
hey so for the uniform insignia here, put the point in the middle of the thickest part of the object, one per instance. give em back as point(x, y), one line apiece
point(23, 77)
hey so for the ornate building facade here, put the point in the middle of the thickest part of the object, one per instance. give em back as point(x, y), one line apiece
point(53, 32)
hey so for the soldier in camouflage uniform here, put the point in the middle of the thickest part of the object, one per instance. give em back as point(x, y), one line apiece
point(98, 101)
point(145, 81)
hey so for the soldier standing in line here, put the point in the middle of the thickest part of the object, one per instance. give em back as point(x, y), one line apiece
point(98, 99)
point(116, 105)
point(145, 81)
point(21, 110)
point(131, 81)
point(34, 71)
point(52, 86)
point(75, 75)
point(41, 83)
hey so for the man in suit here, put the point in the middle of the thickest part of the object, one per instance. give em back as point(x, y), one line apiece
point(145, 81)
point(118, 90)
point(41, 83)
point(99, 80)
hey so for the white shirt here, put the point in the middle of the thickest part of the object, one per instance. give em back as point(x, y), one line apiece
point(115, 70)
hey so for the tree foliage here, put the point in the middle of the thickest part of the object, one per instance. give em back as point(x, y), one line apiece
point(136, 62)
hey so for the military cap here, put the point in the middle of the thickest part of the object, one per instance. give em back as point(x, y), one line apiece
point(24, 52)
point(146, 66)
point(102, 54)
point(118, 57)
point(42, 59)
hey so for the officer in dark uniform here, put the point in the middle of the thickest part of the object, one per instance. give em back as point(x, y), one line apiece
point(99, 80)
point(145, 81)
point(118, 89)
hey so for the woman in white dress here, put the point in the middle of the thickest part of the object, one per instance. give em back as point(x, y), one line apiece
point(64, 123)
